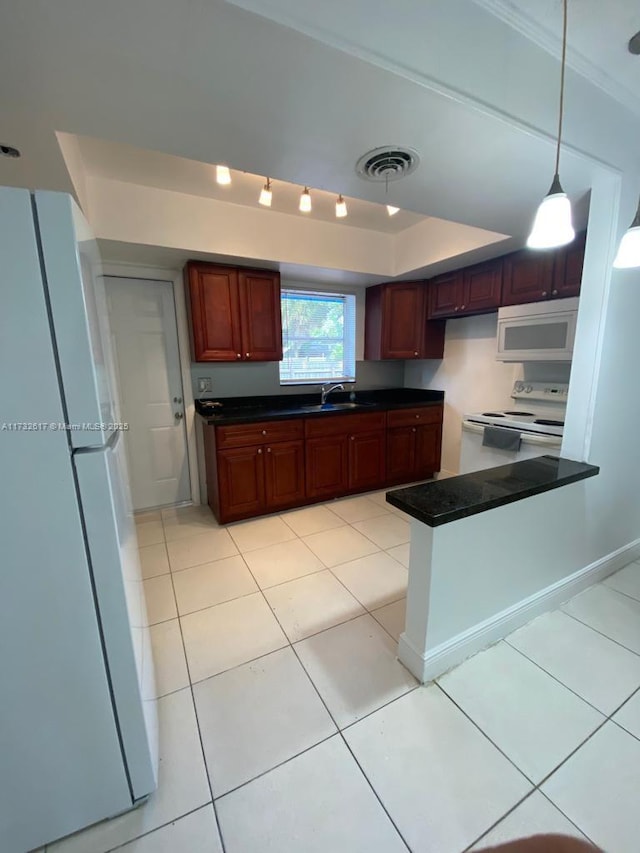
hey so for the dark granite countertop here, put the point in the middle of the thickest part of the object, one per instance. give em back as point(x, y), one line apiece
point(236, 410)
point(448, 500)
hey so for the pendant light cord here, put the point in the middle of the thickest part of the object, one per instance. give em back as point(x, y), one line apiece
point(564, 58)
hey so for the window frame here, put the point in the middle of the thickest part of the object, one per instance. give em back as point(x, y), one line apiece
point(349, 335)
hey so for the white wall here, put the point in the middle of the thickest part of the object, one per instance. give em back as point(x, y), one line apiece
point(471, 378)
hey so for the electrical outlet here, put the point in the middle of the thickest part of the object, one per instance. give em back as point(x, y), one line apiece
point(204, 384)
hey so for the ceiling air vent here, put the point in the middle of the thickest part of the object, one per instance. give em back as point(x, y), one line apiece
point(389, 163)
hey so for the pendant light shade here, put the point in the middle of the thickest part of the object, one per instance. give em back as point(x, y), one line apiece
point(305, 200)
point(391, 210)
point(223, 175)
point(266, 195)
point(341, 207)
point(553, 224)
point(629, 250)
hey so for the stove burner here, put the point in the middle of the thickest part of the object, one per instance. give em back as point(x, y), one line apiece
point(544, 422)
point(521, 414)
point(492, 415)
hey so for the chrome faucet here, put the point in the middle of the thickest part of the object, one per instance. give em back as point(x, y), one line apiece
point(324, 393)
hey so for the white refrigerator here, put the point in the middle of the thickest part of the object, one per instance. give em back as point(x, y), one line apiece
point(78, 731)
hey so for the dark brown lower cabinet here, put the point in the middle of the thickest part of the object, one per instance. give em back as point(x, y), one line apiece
point(255, 480)
point(257, 468)
point(327, 465)
point(401, 454)
point(284, 474)
point(366, 460)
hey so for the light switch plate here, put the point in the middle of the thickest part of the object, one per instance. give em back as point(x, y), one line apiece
point(204, 384)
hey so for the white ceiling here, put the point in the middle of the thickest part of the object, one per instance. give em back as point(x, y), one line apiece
point(597, 36)
point(210, 82)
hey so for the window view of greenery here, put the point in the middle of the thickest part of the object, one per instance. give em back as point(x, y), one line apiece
point(318, 332)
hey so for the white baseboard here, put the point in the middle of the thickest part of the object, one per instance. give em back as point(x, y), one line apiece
point(452, 652)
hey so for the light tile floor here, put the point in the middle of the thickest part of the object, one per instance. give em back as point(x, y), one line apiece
point(287, 723)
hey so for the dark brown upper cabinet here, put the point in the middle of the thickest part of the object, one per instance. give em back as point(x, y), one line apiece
point(534, 276)
point(474, 290)
point(396, 324)
point(235, 313)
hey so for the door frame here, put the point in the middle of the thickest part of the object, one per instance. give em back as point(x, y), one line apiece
point(173, 277)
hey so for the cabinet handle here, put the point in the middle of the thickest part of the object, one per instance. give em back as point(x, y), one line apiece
point(264, 432)
point(247, 355)
point(462, 307)
point(239, 355)
point(544, 292)
point(417, 417)
point(413, 429)
point(259, 450)
point(416, 353)
point(268, 450)
point(353, 438)
point(456, 308)
point(554, 292)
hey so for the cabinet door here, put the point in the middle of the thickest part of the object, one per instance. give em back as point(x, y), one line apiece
point(482, 288)
point(527, 277)
point(567, 270)
point(366, 460)
point(260, 315)
point(428, 448)
point(401, 454)
point(445, 295)
point(215, 313)
point(326, 466)
point(284, 474)
point(240, 482)
point(403, 319)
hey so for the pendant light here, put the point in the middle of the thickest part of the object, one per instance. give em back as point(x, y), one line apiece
point(266, 195)
point(223, 175)
point(305, 200)
point(341, 207)
point(629, 250)
point(552, 225)
point(391, 210)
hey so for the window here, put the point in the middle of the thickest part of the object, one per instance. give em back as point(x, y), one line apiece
point(318, 337)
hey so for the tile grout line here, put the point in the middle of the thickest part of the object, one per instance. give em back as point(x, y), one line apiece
point(195, 712)
point(554, 677)
point(602, 634)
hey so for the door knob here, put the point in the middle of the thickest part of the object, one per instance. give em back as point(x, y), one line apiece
point(178, 416)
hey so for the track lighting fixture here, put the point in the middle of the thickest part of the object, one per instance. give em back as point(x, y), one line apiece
point(305, 200)
point(223, 175)
point(266, 194)
point(341, 207)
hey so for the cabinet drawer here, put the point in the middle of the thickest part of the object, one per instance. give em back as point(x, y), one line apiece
point(261, 432)
point(343, 424)
point(411, 417)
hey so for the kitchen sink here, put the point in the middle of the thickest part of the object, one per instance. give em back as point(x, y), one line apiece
point(334, 407)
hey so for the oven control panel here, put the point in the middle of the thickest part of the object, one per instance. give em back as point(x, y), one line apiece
point(542, 391)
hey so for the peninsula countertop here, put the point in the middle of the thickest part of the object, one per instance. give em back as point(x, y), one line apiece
point(442, 501)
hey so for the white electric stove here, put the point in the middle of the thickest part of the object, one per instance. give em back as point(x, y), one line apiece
point(537, 416)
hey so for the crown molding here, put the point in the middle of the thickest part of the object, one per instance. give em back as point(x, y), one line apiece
point(551, 43)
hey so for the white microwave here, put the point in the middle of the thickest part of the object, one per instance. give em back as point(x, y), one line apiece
point(538, 331)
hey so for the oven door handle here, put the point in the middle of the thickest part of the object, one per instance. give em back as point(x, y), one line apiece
point(528, 437)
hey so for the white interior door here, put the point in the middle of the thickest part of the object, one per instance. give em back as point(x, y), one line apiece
point(145, 343)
